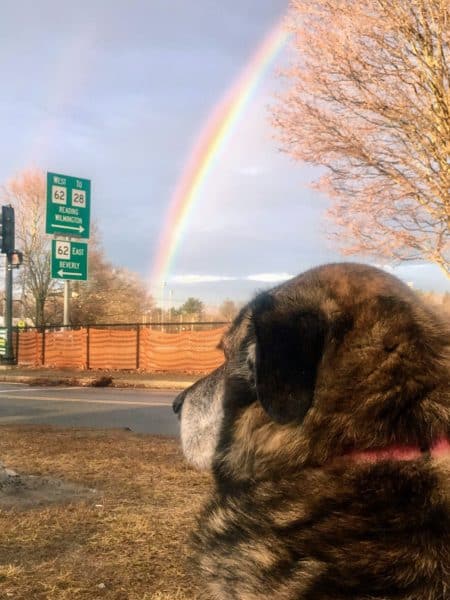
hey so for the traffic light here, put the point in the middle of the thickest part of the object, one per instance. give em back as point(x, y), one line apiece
point(7, 230)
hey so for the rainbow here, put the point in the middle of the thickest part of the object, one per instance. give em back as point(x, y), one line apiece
point(213, 137)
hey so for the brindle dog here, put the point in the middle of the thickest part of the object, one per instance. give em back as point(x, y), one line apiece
point(327, 430)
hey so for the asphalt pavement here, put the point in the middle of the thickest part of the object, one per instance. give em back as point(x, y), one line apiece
point(143, 411)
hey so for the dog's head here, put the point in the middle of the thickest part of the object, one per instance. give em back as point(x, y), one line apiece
point(343, 358)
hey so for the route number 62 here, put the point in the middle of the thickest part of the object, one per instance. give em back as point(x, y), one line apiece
point(59, 194)
point(62, 250)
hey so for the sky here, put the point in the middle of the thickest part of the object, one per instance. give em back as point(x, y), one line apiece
point(118, 92)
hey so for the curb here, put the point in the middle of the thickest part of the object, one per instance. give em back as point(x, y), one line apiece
point(93, 382)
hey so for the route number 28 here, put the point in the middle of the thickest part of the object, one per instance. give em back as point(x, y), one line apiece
point(62, 250)
point(79, 198)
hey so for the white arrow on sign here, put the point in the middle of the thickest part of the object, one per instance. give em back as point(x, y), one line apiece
point(79, 228)
point(61, 273)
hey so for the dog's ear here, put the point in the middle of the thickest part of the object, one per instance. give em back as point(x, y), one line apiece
point(288, 349)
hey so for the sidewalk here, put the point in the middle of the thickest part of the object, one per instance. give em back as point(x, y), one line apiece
point(74, 377)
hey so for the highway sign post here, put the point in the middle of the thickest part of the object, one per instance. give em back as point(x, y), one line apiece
point(68, 205)
point(68, 214)
point(69, 260)
point(3, 340)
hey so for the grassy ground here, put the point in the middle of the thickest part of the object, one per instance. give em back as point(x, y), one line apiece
point(129, 541)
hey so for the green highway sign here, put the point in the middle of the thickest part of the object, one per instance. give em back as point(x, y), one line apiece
point(69, 260)
point(68, 205)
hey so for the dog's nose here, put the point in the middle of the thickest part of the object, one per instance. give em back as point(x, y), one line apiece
point(178, 402)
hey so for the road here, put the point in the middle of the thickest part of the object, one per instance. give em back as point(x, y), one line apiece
point(143, 411)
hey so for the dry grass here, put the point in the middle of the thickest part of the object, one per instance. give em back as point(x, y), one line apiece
point(128, 542)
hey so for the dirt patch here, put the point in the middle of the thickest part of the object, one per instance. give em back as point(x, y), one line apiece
point(102, 381)
point(50, 381)
point(22, 492)
point(127, 541)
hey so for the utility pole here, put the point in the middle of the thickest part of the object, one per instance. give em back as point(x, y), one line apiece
point(170, 306)
point(163, 285)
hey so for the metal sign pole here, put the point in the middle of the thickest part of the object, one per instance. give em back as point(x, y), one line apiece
point(66, 317)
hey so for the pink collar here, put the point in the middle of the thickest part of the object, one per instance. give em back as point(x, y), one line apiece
point(439, 449)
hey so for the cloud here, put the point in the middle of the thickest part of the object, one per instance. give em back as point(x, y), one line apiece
point(189, 279)
point(269, 277)
point(384, 267)
point(259, 277)
point(393, 268)
point(413, 266)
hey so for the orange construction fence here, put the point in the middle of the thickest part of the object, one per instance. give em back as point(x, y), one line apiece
point(132, 347)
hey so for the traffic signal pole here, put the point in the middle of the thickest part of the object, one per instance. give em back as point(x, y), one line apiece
point(8, 249)
point(13, 260)
point(9, 353)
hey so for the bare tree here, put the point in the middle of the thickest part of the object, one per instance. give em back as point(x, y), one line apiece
point(228, 309)
point(26, 192)
point(369, 99)
point(111, 294)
